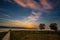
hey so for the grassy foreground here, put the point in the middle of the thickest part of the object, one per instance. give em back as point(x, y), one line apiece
point(34, 35)
point(2, 34)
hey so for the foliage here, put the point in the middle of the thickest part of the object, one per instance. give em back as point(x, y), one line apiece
point(34, 35)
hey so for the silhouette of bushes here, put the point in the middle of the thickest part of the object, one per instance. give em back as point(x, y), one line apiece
point(53, 26)
point(42, 26)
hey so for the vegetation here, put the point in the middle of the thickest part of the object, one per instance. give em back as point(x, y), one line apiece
point(2, 34)
point(53, 26)
point(42, 26)
point(32, 35)
point(35, 35)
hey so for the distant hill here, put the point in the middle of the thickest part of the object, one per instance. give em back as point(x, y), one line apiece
point(12, 27)
point(15, 27)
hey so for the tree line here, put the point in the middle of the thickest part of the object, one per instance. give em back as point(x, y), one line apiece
point(53, 26)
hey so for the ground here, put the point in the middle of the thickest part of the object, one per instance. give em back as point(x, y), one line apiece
point(33, 35)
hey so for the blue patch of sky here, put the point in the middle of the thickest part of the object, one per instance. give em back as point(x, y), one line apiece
point(17, 11)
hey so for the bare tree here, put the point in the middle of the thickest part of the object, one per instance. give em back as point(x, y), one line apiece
point(53, 26)
point(42, 26)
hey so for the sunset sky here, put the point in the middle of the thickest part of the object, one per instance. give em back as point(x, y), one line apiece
point(29, 13)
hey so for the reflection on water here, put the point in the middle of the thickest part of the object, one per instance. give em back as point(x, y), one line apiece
point(4, 30)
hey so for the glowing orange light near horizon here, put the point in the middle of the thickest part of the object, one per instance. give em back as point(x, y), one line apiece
point(28, 25)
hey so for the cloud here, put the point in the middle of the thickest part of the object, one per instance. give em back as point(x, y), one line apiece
point(30, 4)
point(17, 23)
point(46, 4)
point(21, 2)
point(34, 16)
point(42, 6)
point(5, 12)
point(10, 1)
point(27, 4)
point(7, 15)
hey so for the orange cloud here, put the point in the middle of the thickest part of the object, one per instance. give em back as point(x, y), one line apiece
point(43, 5)
point(27, 3)
point(46, 4)
point(20, 2)
point(34, 5)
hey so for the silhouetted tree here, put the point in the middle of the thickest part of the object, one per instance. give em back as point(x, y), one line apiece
point(53, 26)
point(41, 26)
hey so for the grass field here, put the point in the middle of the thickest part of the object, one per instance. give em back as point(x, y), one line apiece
point(32, 35)
point(2, 34)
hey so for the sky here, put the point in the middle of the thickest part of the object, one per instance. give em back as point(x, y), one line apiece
point(29, 13)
